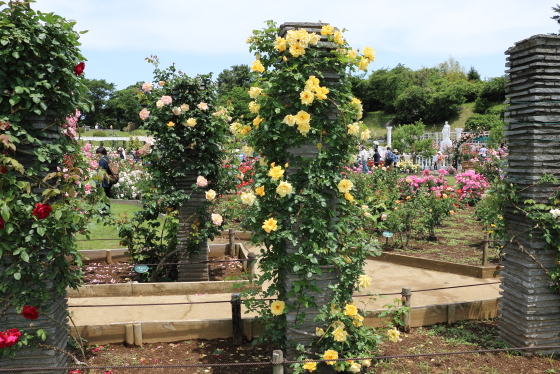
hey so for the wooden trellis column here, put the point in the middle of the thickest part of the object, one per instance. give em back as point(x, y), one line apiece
point(529, 310)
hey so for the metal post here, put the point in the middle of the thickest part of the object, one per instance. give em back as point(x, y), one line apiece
point(406, 294)
point(252, 261)
point(237, 332)
point(277, 360)
point(109, 257)
point(231, 242)
point(485, 251)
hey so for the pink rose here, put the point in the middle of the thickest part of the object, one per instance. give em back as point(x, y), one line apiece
point(202, 106)
point(166, 100)
point(201, 181)
point(147, 86)
point(217, 219)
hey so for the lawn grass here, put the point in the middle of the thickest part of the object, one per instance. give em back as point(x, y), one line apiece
point(101, 231)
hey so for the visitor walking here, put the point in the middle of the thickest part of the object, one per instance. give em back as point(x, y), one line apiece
point(389, 158)
point(101, 152)
point(376, 157)
point(364, 159)
point(483, 151)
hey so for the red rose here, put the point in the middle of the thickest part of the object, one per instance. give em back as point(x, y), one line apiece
point(79, 69)
point(1, 223)
point(30, 312)
point(3, 340)
point(12, 337)
point(42, 210)
point(3, 170)
point(4, 125)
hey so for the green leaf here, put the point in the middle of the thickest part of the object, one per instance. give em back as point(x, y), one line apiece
point(58, 214)
point(17, 276)
point(14, 100)
point(41, 230)
point(24, 256)
point(19, 89)
point(15, 54)
point(5, 211)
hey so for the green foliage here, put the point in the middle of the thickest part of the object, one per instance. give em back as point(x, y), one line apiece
point(238, 101)
point(493, 92)
point(452, 70)
point(487, 122)
point(122, 108)
point(98, 92)
point(407, 139)
point(237, 76)
point(473, 75)
point(99, 133)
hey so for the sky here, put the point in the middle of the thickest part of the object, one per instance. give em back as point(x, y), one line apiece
point(209, 36)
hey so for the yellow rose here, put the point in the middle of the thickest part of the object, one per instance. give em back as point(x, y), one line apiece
point(284, 188)
point(191, 122)
point(257, 66)
point(312, 83)
point(170, 124)
point(289, 120)
point(159, 103)
point(364, 281)
point(184, 107)
point(254, 107)
point(161, 83)
point(355, 100)
point(369, 53)
point(284, 58)
point(355, 367)
point(260, 191)
point(303, 128)
point(334, 309)
point(365, 135)
point(306, 97)
point(277, 307)
point(352, 53)
point(349, 197)
point(330, 354)
point(339, 334)
point(314, 38)
point(353, 129)
point(254, 92)
point(366, 363)
point(210, 195)
point(297, 50)
point(393, 335)
point(257, 121)
point(321, 93)
point(338, 39)
point(363, 65)
point(302, 117)
point(270, 225)
point(345, 185)
point(248, 198)
point(245, 129)
point(234, 127)
point(310, 366)
point(276, 172)
point(358, 320)
point(350, 310)
point(280, 44)
point(327, 30)
point(319, 331)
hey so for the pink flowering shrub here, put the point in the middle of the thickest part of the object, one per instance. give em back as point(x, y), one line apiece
point(470, 186)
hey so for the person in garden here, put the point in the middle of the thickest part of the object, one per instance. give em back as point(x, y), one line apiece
point(482, 151)
point(376, 157)
point(364, 159)
point(122, 153)
point(389, 158)
point(101, 152)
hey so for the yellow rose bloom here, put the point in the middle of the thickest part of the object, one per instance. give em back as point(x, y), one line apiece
point(358, 320)
point(364, 281)
point(319, 331)
point(270, 225)
point(306, 97)
point(330, 354)
point(355, 367)
point(355, 100)
point(210, 195)
point(338, 39)
point(234, 127)
point(300, 37)
point(245, 129)
point(284, 188)
point(314, 38)
point(184, 107)
point(257, 121)
point(302, 117)
point(170, 124)
point(289, 120)
point(303, 128)
point(352, 53)
point(254, 107)
point(276, 172)
point(312, 83)
point(257, 66)
point(393, 335)
point(159, 103)
point(254, 92)
point(350, 310)
point(284, 58)
point(365, 135)
point(348, 196)
point(366, 363)
point(277, 307)
point(334, 309)
point(280, 44)
point(327, 30)
point(345, 185)
point(353, 129)
point(321, 93)
point(297, 50)
point(369, 53)
point(310, 366)
point(339, 334)
point(260, 191)
point(191, 122)
point(363, 64)
point(248, 198)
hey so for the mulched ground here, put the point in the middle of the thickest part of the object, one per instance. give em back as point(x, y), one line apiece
point(459, 240)
point(461, 336)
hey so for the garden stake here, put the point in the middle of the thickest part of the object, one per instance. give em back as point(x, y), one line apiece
point(237, 334)
point(406, 294)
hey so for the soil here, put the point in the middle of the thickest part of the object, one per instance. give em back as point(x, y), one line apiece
point(461, 336)
point(122, 272)
point(460, 240)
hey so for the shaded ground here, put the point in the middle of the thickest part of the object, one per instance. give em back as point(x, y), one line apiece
point(461, 336)
point(460, 240)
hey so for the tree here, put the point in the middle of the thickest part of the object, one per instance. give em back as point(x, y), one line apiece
point(557, 16)
point(123, 107)
point(473, 75)
point(237, 76)
point(452, 70)
point(99, 91)
point(239, 101)
point(408, 139)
